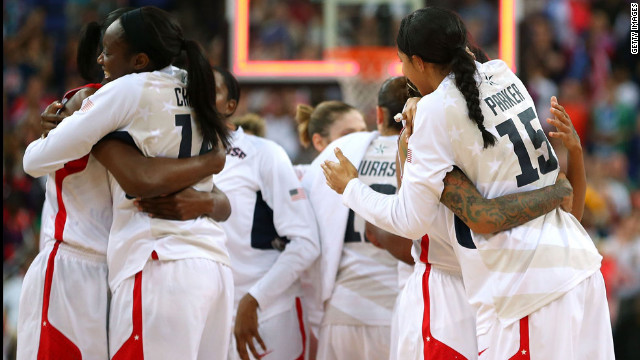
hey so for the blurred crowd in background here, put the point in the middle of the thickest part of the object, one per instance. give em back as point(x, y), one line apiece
point(578, 50)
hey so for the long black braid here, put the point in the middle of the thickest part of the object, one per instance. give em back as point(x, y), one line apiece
point(464, 70)
point(439, 36)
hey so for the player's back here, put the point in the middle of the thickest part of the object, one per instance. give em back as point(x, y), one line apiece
point(162, 125)
point(78, 206)
point(66, 214)
point(553, 247)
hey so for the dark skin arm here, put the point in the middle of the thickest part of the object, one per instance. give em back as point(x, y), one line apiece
point(144, 177)
point(248, 315)
point(188, 204)
point(485, 216)
point(401, 250)
point(138, 175)
point(57, 111)
point(462, 198)
point(492, 215)
point(575, 165)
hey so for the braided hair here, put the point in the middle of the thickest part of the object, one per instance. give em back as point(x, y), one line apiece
point(439, 36)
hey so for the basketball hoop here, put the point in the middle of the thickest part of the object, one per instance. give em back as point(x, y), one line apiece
point(376, 64)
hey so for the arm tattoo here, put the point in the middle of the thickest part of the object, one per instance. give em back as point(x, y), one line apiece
point(499, 214)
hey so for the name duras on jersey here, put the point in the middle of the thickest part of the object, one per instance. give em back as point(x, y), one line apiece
point(377, 168)
point(505, 99)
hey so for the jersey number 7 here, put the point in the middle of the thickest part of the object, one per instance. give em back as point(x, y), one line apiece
point(529, 173)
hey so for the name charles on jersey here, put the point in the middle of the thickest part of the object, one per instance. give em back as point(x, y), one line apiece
point(181, 96)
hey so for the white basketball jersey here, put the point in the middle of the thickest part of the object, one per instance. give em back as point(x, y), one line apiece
point(271, 232)
point(150, 109)
point(516, 271)
point(367, 281)
point(77, 206)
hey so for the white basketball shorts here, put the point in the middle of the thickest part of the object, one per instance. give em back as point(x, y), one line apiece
point(64, 305)
point(576, 326)
point(171, 310)
point(433, 319)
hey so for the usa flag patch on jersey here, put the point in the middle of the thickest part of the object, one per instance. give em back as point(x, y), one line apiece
point(86, 105)
point(297, 194)
point(409, 155)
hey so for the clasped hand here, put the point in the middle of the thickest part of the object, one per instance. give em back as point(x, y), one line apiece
point(339, 174)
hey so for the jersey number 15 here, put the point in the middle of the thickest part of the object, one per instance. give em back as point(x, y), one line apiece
point(529, 173)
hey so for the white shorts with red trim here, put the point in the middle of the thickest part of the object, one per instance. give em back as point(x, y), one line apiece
point(177, 309)
point(339, 342)
point(445, 331)
point(576, 326)
point(286, 336)
point(64, 305)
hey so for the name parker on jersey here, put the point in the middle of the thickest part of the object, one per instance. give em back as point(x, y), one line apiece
point(505, 99)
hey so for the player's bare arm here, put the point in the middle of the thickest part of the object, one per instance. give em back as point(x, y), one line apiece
point(57, 111)
point(144, 177)
point(138, 175)
point(246, 328)
point(188, 204)
point(397, 246)
point(575, 168)
point(461, 197)
point(505, 212)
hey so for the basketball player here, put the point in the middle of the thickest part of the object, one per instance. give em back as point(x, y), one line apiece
point(56, 316)
point(322, 124)
point(450, 288)
point(361, 279)
point(272, 240)
point(409, 331)
point(498, 142)
point(154, 111)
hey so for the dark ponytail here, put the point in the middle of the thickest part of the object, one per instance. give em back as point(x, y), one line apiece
point(201, 90)
point(439, 36)
point(88, 50)
point(90, 46)
point(155, 32)
point(464, 70)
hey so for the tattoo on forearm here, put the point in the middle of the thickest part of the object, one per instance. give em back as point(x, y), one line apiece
point(499, 214)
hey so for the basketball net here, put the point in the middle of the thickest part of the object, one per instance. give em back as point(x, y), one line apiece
point(376, 65)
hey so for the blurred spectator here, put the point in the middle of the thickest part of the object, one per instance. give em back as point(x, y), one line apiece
point(613, 122)
point(542, 63)
point(576, 104)
point(479, 17)
point(278, 112)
